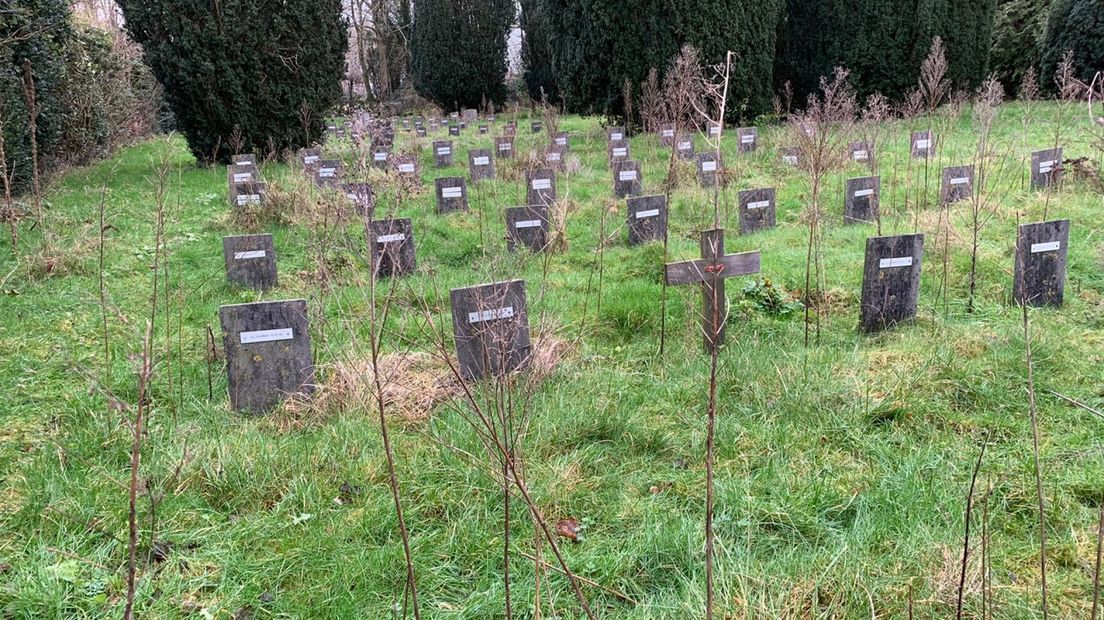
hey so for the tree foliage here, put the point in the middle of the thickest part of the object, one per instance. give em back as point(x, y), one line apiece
point(267, 72)
point(1076, 25)
point(459, 51)
point(536, 54)
point(1018, 33)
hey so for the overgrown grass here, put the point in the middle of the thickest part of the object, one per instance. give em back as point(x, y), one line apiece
point(842, 469)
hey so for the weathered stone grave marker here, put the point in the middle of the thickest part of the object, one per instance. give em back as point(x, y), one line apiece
point(647, 219)
point(504, 146)
point(268, 353)
point(392, 245)
point(556, 158)
point(958, 183)
point(454, 129)
point(484, 129)
point(684, 146)
point(1046, 168)
point(667, 134)
point(560, 140)
point(861, 200)
point(860, 152)
point(541, 185)
point(452, 194)
point(536, 126)
point(470, 115)
point(626, 179)
point(420, 131)
point(244, 159)
point(381, 156)
point(244, 194)
point(709, 169)
point(615, 133)
point(757, 209)
point(923, 144)
point(442, 153)
point(617, 150)
point(791, 155)
point(891, 280)
point(491, 328)
point(310, 157)
point(527, 227)
point(407, 167)
point(242, 173)
point(362, 196)
point(328, 172)
point(481, 164)
point(710, 271)
point(715, 130)
point(510, 129)
point(250, 261)
point(1040, 272)
point(748, 139)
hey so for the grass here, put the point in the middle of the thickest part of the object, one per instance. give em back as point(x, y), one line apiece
point(842, 469)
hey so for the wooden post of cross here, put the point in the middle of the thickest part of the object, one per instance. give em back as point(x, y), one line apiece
point(710, 271)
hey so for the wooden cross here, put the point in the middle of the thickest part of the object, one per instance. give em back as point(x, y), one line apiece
point(710, 271)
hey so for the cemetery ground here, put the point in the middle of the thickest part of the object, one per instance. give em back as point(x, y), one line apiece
point(842, 467)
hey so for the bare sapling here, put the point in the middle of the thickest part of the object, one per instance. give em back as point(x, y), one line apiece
point(986, 108)
point(1028, 95)
point(1069, 91)
point(137, 430)
point(966, 533)
point(820, 133)
point(32, 130)
point(6, 177)
point(874, 116)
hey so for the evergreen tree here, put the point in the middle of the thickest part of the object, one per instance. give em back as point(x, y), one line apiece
point(267, 71)
point(536, 54)
point(1076, 25)
point(1018, 33)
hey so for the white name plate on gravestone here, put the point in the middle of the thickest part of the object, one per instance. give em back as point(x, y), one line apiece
point(528, 224)
point(1050, 246)
point(490, 315)
point(747, 139)
point(542, 184)
point(246, 199)
point(267, 335)
point(451, 192)
point(619, 151)
point(554, 156)
point(481, 161)
point(617, 136)
point(444, 150)
point(714, 131)
point(864, 192)
point(406, 167)
point(561, 141)
point(249, 254)
point(890, 263)
point(960, 181)
point(311, 159)
point(684, 146)
point(649, 213)
point(390, 238)
point(627, 175)
point(759, 204)
point(505, 146)
point(242, 177)
point(381, 156)
point(1046, 166)
point(668, 133)
point(327, 172)
point(923, 144)
point(790, 159)
point(860, 155)
point(709, 166)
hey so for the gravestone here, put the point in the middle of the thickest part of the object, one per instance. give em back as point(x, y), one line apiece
point(527, 227)
point(420, 131)
point(452, 194)
point(454, 130)
point(481, 164)
point(617, 150)
point(504, 147)
point(392, 244)
point(434, 124)
point(958, 183)
point(442, 153)
point(923, 144)
point(310, 157)
point(861, 200)
point(715, 130)
point(268, 353)
point(536, 126)
point(381, 156)
point(626, 179)
point(407, 167)
point(556, 157)
point(362, 196)
point(861, 152)
point(647, 219)
point(560, 141)
point(667, 134)
point(757, 210)
point(484, 130)
point(791, 155)
point(1046, 168)
point(328, 172)
point(244, 194)
point(490, 326)
point(1040, 273)
point(709, 169)
point(684, 146)
point(241, 173)
point(710, 272)
point(510, 129)
point(244, 159)
point(891, 280)
point(748, 139)
point(541, 184)
point(471, 115)
point(250, 261)
point(615, 133)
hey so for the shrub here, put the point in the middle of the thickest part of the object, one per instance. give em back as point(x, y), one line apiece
point(1018, 33)
point(267, 71)
point(1076, 25)
point(459, 51)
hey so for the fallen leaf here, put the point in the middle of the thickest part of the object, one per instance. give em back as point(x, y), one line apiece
point(569, 528)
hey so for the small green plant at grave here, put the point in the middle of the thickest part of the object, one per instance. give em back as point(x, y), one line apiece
point(760, 295)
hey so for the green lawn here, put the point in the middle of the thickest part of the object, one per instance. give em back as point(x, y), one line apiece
point(842, 468)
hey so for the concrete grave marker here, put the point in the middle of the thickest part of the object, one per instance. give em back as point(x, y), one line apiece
point(748, 139)
point(790, 155)
point(420, 131)
point(1040, 271)
point(923, 144)
point(615, 133)
point(861, 152)
point(362, 196)
point(560, 140)
point(710, 272)
point(541, 184)
point(381, 157)
point(310, 157)
point(484, 129)
point(245, 194)
point(757, 210)
point(1046, 168)
point(268, 353)
point(490, 326)
point(442, 153)
point(470, 115)
point(891, 280)
point(244, 159)
point(242, 173)
point(481, 164)
point(958, 183)
point(626, 179)
point(861, 200)
point(504, 147)
point(527, 227)
point(510, 129)
point(250, 261)
point(392, 245)
point(556, 157)
point(667, 133)
point(454, 130)
point(647, 219)
point(684, 146)
point(407, 168)
point(709, 169)
point(618, 150)
point(536, 126)
point(328, 172)
point(715, 131)
point(452, 194)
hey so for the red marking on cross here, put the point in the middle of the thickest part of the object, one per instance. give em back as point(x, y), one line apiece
point(714, 268)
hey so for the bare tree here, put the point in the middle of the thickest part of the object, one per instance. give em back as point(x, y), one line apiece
point(986, 108)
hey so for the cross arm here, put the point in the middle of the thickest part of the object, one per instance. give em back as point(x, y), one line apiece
point(700, 270)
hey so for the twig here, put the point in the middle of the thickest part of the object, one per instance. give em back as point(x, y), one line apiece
point(589, 582)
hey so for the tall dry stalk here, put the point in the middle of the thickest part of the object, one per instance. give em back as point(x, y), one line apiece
point(1034, 414)
point(1069, 90)
point(1028, 95)
point(32, 130)
point(1096, 567)
point(874, 115)
point(6, 178)
point(986, 108)
point(137, 428)
point(966, 534)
